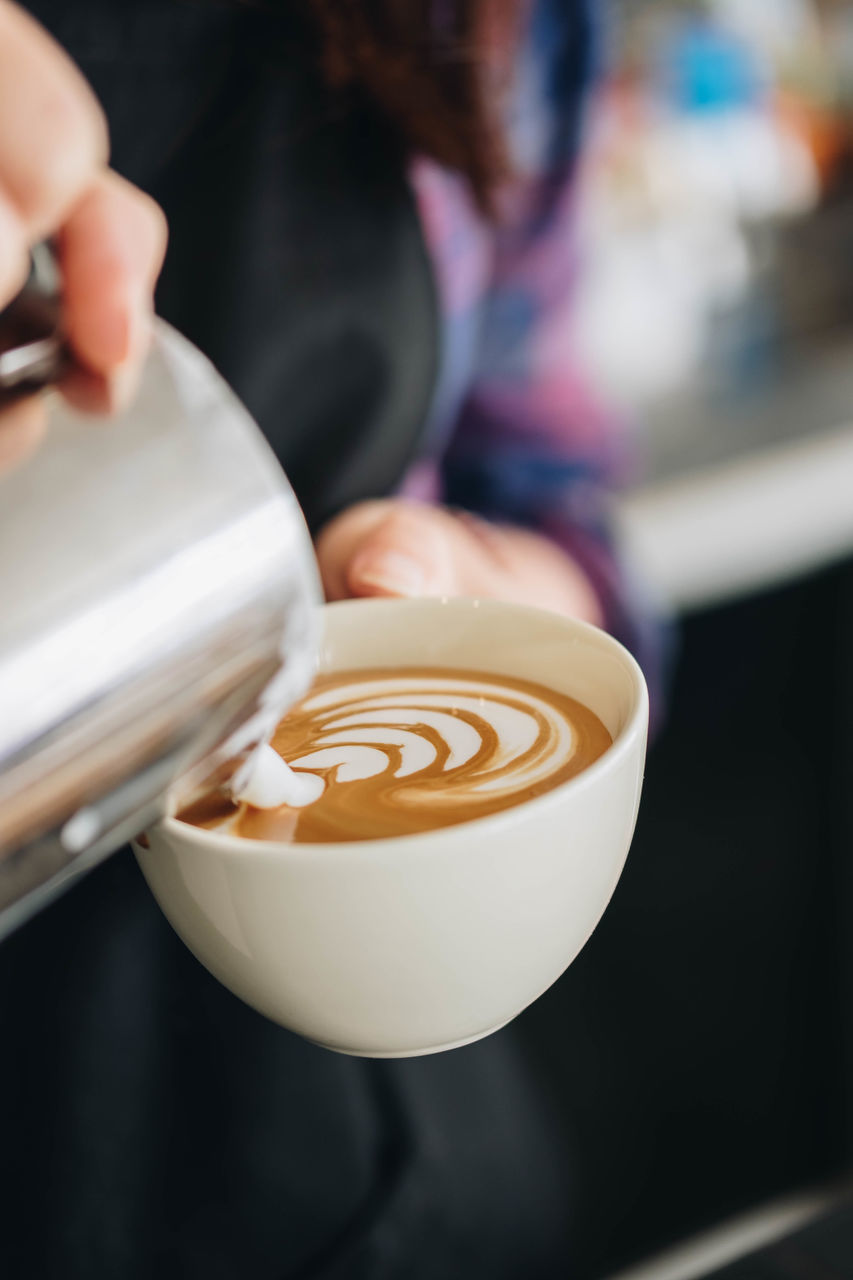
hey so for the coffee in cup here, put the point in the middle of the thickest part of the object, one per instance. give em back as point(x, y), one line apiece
point(412, 749)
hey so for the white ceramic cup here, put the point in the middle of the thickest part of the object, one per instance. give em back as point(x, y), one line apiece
point(408, 945)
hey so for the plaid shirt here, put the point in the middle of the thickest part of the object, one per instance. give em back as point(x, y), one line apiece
point(516, 434)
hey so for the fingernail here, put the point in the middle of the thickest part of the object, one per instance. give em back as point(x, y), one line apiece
point(123, 330)
point(394, 572)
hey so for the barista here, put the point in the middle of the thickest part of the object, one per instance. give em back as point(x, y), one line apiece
point(386, 287)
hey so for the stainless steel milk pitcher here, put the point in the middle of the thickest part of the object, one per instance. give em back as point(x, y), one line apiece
point(158, 596)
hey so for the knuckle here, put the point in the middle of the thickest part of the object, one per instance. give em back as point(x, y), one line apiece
point(54, 135)
point(71, 148)
point(406, 522)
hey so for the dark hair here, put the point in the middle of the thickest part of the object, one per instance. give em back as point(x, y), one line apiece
point(436, 70)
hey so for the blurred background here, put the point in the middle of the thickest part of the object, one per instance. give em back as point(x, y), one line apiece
point(704, 1039)
point(717, 300)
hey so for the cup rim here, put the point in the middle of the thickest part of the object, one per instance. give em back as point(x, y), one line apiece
point(636, 725)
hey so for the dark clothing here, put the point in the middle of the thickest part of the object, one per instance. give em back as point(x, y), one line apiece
point(296, 260)
point(155, 1125)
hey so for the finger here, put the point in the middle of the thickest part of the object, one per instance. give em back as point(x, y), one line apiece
point(14, 258)
point(340, 539)
point(22, 426)
point(389, 546)
point(53, 137)
point(409, 552)
point(111, 251)
point(520, 566)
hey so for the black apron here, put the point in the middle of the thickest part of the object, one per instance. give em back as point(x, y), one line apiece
point(152, 1123)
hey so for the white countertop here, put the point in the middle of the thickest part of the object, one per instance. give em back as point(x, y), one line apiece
point(737, 526)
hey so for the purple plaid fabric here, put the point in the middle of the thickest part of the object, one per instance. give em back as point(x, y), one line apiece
point(516, 433)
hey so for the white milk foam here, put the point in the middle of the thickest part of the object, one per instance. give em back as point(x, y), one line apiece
point(271, 783)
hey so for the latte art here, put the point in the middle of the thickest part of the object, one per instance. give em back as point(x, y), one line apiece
point(504, 744)
point(412, 749)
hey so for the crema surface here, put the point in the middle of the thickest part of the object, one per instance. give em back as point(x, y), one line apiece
point(412, 749)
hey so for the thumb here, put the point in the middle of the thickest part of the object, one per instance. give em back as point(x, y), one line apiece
point(407, 553)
